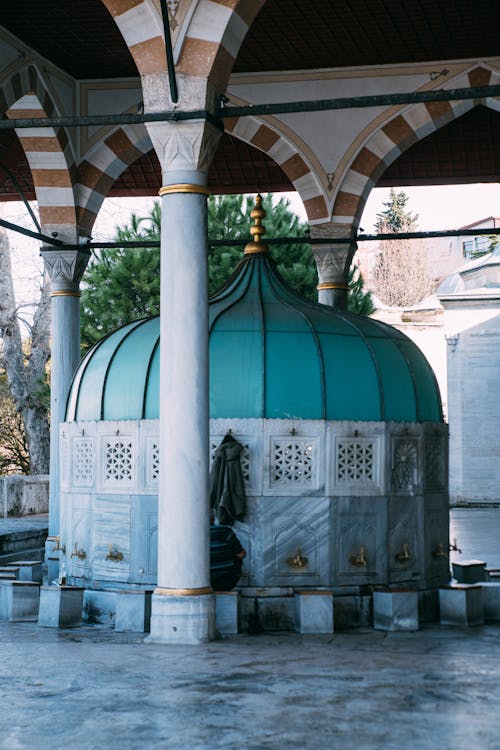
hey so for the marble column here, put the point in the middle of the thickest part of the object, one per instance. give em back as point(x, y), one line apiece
point(65, 269)
point(183, 604)
point(332, 262)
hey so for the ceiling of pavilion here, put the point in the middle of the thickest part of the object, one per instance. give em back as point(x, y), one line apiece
point(82, 38)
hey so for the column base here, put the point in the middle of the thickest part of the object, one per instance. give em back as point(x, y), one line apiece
point(182, 619)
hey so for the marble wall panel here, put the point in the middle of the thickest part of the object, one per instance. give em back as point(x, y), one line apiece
point(293, 538)
point(360, 540)
point(144, 539)
point(110, 538)
point(436, 530)
point(405, 554)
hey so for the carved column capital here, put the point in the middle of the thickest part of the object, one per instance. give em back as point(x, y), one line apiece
point(65, 269)
point(185, 146)
point(333, 261)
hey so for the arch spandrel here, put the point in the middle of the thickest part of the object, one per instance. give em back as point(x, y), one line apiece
point(399, 133)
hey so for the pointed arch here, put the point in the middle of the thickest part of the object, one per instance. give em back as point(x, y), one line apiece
point(398, 134)
point(254, 132)
point(48, 151)
point(141, 27)
point(102, 165)
point(214, 36)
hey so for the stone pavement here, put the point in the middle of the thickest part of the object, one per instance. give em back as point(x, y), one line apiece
point(359, 690)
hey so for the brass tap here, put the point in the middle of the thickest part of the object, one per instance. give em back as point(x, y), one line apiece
point(359, 560)
point(58, 547)
point(298, 561)
point(404, 555)
point(440, 551)
point(453, 547)
point(80, 553)
point(114, 553)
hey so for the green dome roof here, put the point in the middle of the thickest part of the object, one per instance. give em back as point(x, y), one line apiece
point(273, 354)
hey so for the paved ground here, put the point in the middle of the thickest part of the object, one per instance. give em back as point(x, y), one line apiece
point(362, 690)
point(91, 688)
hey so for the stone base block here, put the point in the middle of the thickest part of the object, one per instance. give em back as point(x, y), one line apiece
point(182, 619)
point(19, 601)
point(461, 605)
point(133, 611)
point(29, 570)
point(469, 571)
point(99, 607)
point(226, 612)
point(314, 611)
point(395, 610)
point(60, 606)
point(491, 601)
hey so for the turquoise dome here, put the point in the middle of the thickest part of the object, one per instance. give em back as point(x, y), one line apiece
point(273, 354)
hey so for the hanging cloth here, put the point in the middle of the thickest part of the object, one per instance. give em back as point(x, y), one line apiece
point(227, 488)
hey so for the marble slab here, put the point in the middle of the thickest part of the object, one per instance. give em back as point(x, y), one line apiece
point(19, 601)
point(133, 611)
point(60, 606)
point(461, 605)
point(226, 612)
point(314, 611)
point(395, 610)
point(491, 600)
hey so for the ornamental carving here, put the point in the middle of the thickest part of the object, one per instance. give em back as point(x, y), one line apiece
point(65, 268)
point(333, 262)
point(185, 146)
point(405, 465)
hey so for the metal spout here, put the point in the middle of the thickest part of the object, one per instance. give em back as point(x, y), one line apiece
point(80, 553)
point(404, 555)
point(359, 560)
point(114, 553)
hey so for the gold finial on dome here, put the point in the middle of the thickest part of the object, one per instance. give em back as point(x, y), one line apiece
point(257, 230)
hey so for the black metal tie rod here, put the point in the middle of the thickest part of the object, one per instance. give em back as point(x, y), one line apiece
point(379, 100)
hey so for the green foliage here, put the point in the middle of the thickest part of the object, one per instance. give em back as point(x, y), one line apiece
point(121, 285)
point(358, 301)
point(395, 217)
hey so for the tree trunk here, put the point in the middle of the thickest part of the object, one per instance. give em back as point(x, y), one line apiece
point(25, 362)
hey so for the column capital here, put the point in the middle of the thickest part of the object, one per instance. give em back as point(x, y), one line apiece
point(65, 269)
point(333, 261)
point(184, 149)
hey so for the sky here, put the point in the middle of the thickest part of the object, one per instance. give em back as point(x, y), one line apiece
point(438, 207)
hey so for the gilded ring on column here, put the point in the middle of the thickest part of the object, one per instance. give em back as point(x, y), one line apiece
point(65, 294)
point(184, 592)
point(332, 286)
point(184, 187)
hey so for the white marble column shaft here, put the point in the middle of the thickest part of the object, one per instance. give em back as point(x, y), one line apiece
point(183, 562)
point(65, 269)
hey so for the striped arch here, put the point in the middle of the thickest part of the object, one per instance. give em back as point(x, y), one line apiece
point(214, 37)
point(396, 136)
point(102, 165)
point(284, 153)
point(141, 26)
point(47, 151)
